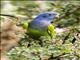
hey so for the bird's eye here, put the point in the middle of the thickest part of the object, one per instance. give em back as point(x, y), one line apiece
point(49, 14)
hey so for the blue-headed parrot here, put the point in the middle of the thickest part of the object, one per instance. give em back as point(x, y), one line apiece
point(41, 25)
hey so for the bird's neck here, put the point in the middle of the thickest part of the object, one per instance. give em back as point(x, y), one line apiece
point(45, 21)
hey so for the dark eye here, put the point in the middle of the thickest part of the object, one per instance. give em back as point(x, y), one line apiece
point(49, 14)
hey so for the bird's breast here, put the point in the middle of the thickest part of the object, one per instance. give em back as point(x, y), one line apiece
point(39, 25)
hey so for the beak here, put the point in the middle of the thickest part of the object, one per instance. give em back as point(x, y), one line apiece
point(57, 16)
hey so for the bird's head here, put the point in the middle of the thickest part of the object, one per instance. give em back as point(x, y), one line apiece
point(47, 16)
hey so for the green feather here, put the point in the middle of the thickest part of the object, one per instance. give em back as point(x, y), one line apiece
point(25, 25)
point(37, 33)
point(51, 30)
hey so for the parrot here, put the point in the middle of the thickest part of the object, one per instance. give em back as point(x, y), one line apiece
point(41, 25)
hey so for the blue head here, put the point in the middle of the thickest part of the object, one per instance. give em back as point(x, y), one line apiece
point(48, 16)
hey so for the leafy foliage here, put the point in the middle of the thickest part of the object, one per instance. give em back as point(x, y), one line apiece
point(64, 45)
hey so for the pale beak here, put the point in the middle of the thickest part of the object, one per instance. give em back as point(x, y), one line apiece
point(57, 16)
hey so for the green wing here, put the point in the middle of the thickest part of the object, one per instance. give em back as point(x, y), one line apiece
point(51, 30)
point(25, 25)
